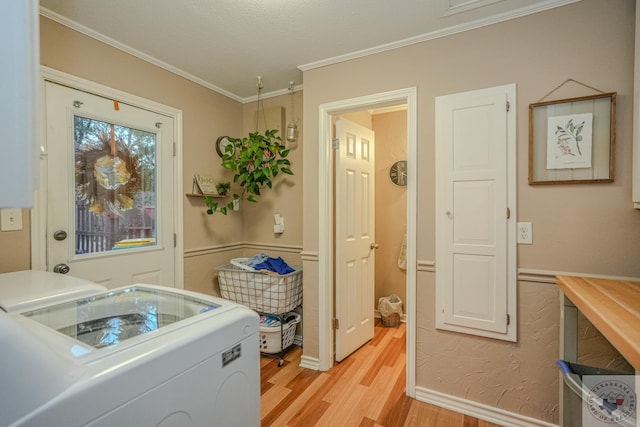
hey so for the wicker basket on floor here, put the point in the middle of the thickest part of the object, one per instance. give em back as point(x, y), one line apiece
point(391, 320)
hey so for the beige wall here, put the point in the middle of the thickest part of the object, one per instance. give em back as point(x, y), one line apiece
point(585, 228)
point(286, 196)
point(15, 247)
point(391, 203)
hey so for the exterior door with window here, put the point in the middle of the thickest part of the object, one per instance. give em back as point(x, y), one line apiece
point(109, 190)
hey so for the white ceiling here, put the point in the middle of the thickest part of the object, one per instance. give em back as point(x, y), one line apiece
point(225, 44)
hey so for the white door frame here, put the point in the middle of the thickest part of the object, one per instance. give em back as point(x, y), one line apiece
point(326, 223)
point(39, 211)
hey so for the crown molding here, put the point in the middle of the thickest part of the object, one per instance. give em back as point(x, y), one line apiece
point(128, 49)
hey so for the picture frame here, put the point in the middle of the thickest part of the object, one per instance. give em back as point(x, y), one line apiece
point(572, 141)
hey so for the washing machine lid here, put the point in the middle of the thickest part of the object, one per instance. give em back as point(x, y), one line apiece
point(110, 318)
point(25, 290)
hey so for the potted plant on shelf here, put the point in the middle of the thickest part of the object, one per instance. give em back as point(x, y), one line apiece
point(223, 188)
point(255, 160)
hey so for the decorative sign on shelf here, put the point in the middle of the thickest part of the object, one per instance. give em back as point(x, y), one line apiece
point(205, 184)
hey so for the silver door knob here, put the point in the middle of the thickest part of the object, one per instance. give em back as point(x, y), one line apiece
point(374, 246)
point(61, 268)
point(60, 235)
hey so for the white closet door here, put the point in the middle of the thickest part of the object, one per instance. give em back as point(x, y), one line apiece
point(475, 212)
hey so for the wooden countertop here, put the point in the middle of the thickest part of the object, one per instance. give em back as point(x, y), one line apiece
point(613, 306)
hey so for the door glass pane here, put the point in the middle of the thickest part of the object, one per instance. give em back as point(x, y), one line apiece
point(115, 187)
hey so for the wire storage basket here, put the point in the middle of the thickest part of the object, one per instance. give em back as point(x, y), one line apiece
point(263, 292)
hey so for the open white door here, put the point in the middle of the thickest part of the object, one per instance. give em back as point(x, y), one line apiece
point(355, 237)
point(109, 190)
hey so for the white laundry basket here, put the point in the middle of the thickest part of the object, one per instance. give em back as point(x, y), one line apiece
point(270, 339)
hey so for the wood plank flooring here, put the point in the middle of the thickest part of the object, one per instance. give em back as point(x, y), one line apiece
point(364, 390)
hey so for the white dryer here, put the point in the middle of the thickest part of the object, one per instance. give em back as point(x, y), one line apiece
point(140, 355)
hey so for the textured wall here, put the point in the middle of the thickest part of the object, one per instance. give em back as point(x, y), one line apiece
point(520, 377)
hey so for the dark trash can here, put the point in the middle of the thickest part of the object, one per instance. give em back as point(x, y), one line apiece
point(578, 396)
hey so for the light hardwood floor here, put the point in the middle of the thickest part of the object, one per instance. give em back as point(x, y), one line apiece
point(366, 389)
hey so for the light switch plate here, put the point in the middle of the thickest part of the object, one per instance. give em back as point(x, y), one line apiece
point(10, 219)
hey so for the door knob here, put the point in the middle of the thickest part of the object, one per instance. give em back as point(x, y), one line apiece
point(374, 246)
point(60, 235)
point(61, 268)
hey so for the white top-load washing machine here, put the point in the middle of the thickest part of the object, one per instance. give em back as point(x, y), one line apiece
point(24, 290)
point(140, 355)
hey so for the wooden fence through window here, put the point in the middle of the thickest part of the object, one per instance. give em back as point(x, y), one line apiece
point(99, 233)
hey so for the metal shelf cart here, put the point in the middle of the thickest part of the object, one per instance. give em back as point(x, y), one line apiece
point(270, 294)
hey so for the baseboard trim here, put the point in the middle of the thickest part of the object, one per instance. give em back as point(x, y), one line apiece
point(478, 410)
point(310, 363)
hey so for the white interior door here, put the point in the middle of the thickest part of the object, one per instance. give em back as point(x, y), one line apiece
point(355, 237)
point(109, 190)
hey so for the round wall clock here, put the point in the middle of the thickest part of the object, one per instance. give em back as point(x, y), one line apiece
point(221, 144)
point(398, 173)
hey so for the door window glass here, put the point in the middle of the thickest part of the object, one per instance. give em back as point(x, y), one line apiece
point(115, 187)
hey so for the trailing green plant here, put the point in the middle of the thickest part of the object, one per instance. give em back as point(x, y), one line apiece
point(255, 160)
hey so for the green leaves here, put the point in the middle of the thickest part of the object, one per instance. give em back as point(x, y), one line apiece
point(566, 134)
point(256, 161)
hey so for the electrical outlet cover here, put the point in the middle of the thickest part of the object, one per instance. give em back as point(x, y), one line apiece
point(525, 233)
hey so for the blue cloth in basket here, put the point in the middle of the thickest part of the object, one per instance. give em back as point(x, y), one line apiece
point(275, 264)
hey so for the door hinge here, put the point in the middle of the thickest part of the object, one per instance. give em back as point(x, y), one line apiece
point(508, 213)
point(174, 149)
point(508, 106)
point(335, 144)
point(508, 319)
point(336, 324)
point(175, 240)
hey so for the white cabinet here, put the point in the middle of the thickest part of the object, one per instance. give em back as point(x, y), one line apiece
point(475, 236)
point(19, 107)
